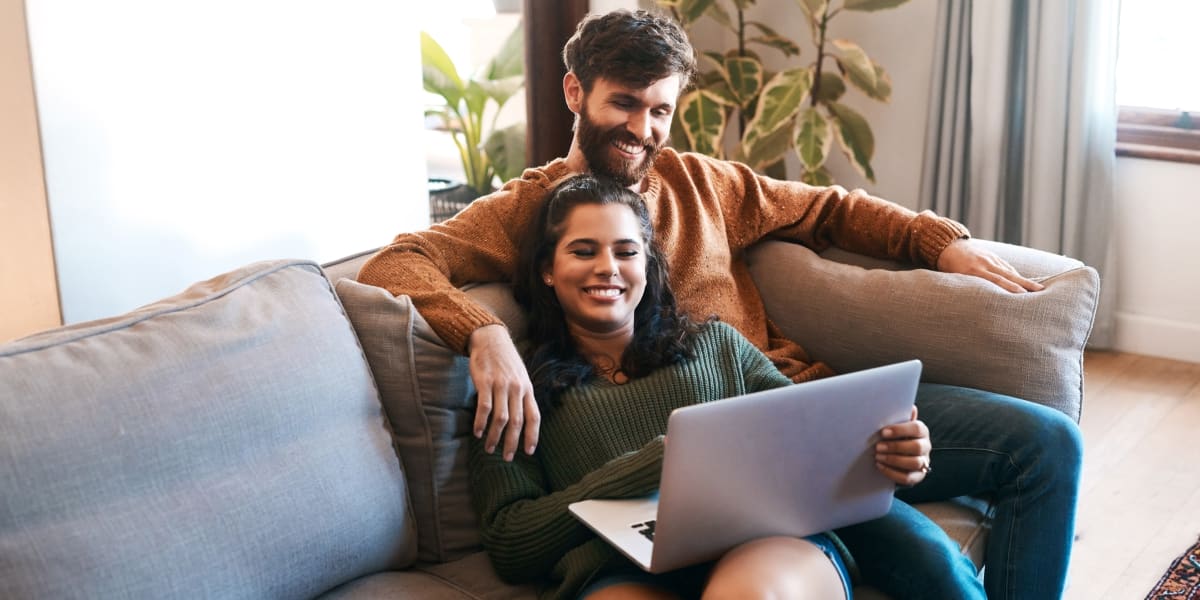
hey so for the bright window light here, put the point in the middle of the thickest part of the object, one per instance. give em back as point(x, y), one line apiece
point(1158, 42)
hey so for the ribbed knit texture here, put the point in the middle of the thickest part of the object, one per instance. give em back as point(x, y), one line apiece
point(603, 441)
point(706, 213)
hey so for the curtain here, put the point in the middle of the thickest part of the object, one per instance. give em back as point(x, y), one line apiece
point(1022, 128)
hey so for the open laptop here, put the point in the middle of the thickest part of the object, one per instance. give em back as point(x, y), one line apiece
point(793, 461)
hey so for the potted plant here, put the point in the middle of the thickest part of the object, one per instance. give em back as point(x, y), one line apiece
point(468, 112)
point(767, 111)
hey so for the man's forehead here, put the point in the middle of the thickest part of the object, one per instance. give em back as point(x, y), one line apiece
point(661, 90)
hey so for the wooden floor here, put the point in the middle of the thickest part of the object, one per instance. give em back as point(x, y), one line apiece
point(1140, 501)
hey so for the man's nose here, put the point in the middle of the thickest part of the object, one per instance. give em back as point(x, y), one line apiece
point(639, 125)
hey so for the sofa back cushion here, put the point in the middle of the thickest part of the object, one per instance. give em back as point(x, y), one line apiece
point(854, 312)
point(429, 398)
point(225, 442)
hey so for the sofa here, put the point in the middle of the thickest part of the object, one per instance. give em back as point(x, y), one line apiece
point(282, 431)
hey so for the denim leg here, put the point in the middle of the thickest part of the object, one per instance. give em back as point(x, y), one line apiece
point(1025, 456)
point(906, 555)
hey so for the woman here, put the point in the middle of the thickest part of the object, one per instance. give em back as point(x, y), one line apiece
point(610, 357)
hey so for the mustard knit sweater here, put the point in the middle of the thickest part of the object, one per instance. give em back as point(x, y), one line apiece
point(706, 212)
point(601, 441)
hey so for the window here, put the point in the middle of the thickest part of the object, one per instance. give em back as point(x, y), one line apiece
point(1159, 96)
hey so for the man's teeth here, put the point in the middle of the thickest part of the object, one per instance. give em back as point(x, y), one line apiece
point(606, 292)
point(630, 148)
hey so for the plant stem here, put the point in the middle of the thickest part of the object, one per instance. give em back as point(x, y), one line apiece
point(741, 36)
point(816, 86)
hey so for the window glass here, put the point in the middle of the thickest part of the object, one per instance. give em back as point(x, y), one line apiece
point(1158, 42)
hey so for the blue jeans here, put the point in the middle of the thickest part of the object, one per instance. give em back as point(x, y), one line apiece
point(1026, 457)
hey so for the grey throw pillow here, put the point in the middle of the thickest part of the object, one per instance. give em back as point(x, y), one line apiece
point(429, 398)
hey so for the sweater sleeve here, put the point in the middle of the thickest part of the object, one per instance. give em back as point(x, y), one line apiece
point(526, 528)
point(756, 206)
point(478, 245)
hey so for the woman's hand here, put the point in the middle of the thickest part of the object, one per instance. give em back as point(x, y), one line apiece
point(902, 453)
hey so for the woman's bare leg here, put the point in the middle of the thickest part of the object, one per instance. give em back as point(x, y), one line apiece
point(631, 591)
point(775, 567)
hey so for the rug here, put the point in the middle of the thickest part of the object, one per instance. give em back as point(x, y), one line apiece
point(1182, 579)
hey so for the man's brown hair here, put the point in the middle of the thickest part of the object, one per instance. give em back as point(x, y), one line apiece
point(633, 48)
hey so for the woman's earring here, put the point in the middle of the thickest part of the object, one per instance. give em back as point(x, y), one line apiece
point(549, 281)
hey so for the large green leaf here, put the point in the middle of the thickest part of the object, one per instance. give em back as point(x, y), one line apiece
point(702, 115)
point(814, 138)
point(509, 61)
point(831, 88)
point(855, 138)
point(435, 57)
point(781, 99)
point(871, 5)
point(720, 15)
point(771, 38)
point(744, 74)
point(855, 63)
point(679, 139)
point(506, 149)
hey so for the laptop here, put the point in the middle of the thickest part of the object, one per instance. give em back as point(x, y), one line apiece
point(792, 461)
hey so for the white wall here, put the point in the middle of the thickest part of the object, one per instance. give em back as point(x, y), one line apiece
point(182, 139)
point(1158, 253)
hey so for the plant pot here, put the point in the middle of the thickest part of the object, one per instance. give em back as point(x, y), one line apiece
point(447, 197)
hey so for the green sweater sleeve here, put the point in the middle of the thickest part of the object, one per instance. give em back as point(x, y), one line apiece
point(526, 528)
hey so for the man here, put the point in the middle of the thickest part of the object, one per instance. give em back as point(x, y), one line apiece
point(626, 71)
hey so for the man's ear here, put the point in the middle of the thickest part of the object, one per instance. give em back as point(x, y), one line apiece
point(573, 92)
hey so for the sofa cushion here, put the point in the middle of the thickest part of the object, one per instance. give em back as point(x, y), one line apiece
point(428, 395)
point(225, 442)
point(964, 329)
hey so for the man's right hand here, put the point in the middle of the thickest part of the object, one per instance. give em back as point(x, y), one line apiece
point(505, 394)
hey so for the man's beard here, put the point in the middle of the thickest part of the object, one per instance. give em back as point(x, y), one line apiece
point(598, 151)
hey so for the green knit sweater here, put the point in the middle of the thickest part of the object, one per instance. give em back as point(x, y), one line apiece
point(602, 441)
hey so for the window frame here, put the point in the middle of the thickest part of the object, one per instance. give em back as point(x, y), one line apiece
point(1158, 134)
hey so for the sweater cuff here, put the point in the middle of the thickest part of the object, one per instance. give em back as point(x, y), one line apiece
point(457, 334)
point(628, 476)
point(933, 234)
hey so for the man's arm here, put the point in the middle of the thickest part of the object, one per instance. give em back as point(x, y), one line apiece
point(478, 245)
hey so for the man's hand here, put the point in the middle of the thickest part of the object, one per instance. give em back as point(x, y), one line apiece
point(902, 453)
point(504, 392)
point(967, 257)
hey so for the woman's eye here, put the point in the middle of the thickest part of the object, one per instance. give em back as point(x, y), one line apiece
point(627, 253)
point(584, 253)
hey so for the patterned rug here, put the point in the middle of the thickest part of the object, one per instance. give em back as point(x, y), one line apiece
point(1182, 580)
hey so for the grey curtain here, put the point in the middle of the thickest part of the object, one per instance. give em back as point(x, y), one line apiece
point(1022, 128)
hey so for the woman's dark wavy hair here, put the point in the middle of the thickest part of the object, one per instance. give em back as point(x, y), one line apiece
point(634, 48)
point(662, 335)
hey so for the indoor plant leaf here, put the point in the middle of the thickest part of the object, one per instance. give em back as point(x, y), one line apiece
point(815, 9)
point(814, 138)
point(855, 138)
point(501, 90)
point(871, 5)
point(780, 100)
point(820, 176)
point(720, 15)
point(434, 56)
point(507, 149)
point(509, 60)
point(831, 87)
point(745, 78)
point(855, 63)
point(690, 11)
point(771, 38)
point(767, 150)
point(702, 115)
point(883, 85)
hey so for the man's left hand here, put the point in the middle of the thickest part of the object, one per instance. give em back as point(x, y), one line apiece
point(968, 257)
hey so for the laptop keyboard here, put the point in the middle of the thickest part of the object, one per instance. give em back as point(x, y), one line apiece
point(645, 528)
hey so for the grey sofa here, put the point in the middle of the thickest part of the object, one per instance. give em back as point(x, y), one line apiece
point(282, 431)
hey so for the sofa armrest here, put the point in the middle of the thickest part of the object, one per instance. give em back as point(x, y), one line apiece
point(854, 312)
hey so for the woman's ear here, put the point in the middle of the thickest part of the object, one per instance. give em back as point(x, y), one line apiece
point(573, 92)
point(547, 279)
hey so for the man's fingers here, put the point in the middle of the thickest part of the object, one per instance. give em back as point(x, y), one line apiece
point(483, 409)
point(498, 421)
point(533, 423)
